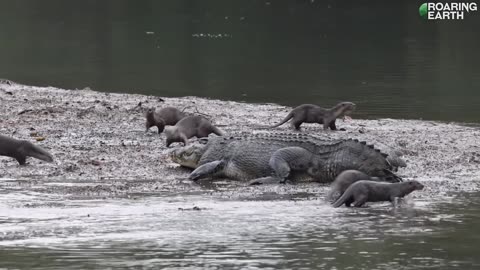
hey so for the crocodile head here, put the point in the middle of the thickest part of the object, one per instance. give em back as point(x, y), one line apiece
point(188, 156)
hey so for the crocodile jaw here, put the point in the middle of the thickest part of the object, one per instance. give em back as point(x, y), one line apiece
point(188, 156)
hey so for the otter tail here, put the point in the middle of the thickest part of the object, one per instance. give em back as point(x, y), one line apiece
point(217, 131)
point(343, 198)
point(38, 152)
point(288, 117)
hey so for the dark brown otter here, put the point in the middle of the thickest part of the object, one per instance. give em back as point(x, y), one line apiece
point(309, 113)
point(371, 191)
point(343, 181)
point(188, 127)
point(167, 116)
point(20, 150)
point(348, 177)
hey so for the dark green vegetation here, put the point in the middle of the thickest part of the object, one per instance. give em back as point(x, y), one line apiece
point(382, 56)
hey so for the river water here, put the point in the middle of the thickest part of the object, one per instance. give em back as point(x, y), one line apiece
point(44, 230)
point(381, 56)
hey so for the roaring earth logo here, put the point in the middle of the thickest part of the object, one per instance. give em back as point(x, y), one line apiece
point(446, 11)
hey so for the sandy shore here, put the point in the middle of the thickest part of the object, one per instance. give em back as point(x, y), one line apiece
point(100, 137)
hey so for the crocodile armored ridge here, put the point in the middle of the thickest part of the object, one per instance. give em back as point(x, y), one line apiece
point(279, 157)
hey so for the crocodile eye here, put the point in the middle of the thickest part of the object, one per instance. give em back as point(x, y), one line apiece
point(189, 152)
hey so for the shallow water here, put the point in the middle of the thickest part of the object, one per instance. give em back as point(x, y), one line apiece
point(47, 230)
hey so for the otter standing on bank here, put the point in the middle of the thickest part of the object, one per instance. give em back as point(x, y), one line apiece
point(20, 150)
point(371, 191)
point(309, 113)
point(165, 116)
point(188, 127)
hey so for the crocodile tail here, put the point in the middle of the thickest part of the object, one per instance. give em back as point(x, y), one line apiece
point(37, 152)
point(373, 161)
point(288, 117)
point(396, 161)
point(391, 176)
point(343, 198)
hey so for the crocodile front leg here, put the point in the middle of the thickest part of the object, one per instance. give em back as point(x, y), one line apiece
point(207, 169)
point(283, 161)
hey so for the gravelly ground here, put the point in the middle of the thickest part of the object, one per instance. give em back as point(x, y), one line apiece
point(101, 147)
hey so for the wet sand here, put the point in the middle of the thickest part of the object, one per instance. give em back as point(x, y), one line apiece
point(100, 145)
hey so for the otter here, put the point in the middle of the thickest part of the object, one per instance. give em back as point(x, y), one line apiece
point(309, 113)
point(20, 150)
point(165, 116)
point(348, 177)
point(371, 191)
point(188, 127)
point(343, 181)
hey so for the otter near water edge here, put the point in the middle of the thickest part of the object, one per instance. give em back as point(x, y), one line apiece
point(371, 191)
point(348, 177)
point(343, 181)
point(310, 113)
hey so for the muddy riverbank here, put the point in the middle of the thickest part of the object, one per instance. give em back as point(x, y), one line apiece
point(100, 138)
point(112, 198)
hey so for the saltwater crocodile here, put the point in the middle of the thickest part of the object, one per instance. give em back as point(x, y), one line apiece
point(278, 157)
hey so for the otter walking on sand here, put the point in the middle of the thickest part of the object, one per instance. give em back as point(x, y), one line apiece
point(371, 191)
point(20, 150)
point(188, 127)
point(309, 113)
point(167, 116)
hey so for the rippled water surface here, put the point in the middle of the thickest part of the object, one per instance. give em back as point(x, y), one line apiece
point(51, 231)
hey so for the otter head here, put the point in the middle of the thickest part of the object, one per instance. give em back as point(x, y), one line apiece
point(415, 185)
point(149, 113)
point(188, 156)
point(154, 121)
point(174, 135)
point(346, 108)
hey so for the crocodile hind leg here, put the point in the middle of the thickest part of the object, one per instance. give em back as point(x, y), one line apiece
point(207, 169)
point(283, 161)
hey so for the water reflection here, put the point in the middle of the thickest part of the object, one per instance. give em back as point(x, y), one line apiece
point(381, 56)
